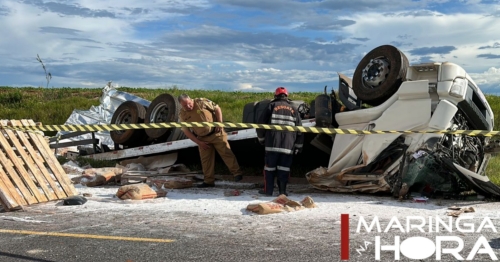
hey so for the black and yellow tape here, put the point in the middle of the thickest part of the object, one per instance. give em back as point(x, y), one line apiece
point(303, 129)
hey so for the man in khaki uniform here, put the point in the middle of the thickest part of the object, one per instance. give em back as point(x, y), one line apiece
point(208, 138)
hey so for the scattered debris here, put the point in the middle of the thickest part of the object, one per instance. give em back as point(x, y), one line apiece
point(153, 162)
point(420, 199)
point(232, 192)
point(170, 182)
point(74, 200)
point(139, 192)
point(99, 176)
point(19, 219)
point(456, 211)
point(280, 204)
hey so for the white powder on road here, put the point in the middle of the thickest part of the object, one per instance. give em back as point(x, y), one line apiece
point(212, 201)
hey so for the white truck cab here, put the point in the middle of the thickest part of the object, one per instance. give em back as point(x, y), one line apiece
point(400, 97)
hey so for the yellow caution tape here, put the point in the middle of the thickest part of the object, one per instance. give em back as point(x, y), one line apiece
point(303, 129)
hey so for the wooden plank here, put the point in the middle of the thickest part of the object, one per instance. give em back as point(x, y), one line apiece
point(35, 171)
point(43, 176)
point(50, 159)
point(40, 162)
point(14, 176)
point(5, 199)
point(11, 189)
point(19, 165)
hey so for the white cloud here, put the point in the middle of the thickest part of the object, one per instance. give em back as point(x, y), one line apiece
point(248, 87)
point(465, 32)
point(205, 43)
point(488, 80)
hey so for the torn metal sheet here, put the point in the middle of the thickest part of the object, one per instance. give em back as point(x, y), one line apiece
point(110, 100)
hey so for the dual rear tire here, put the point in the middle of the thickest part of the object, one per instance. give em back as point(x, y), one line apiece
point(163, 109)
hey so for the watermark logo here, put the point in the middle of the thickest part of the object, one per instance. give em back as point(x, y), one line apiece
point(401, 243)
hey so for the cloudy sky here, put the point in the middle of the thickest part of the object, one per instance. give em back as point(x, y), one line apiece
point(250, 45)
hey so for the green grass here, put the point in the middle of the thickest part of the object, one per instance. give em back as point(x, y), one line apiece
point(494, 166)
point(53, 106)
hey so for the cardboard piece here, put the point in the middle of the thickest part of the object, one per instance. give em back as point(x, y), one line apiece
point(456, 211)
point(280, 204)
point(178, 183)
point(98, 179)
point(170, 182)
point(138, 192)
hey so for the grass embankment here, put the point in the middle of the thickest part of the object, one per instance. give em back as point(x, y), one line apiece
point(54, 105)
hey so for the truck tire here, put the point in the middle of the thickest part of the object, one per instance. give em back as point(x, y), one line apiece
point(129, 112)
point(379, 74)
point(163, 109)
point(323, 110)
point(312, 109)
point(260, 107)
point(249, 112)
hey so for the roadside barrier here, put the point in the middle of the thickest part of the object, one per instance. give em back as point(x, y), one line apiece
point(303, 129)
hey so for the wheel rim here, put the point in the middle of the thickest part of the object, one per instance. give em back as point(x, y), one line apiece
point(376, 72)
point(159, 114)
point(125, 117)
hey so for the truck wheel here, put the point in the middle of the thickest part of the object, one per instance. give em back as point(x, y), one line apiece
point(312, 109)
point(163, 109)
point(129, 112)
point(379, 74)
point(249, 112)
point(260, 107)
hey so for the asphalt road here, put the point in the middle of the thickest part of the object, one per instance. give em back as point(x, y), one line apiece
point(160, 235)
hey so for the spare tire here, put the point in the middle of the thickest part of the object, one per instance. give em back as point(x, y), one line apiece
point(163, 109)
point(379, 74)
point(129, 112)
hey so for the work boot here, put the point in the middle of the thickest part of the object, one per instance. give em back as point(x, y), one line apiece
point(282, 188)
point(238, 178)
point(204, 185)
point(262, 192)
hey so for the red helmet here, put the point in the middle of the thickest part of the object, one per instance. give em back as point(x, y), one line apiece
point(280, 90)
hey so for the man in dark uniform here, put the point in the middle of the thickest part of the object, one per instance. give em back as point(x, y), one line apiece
point(280, 146)
point(208, 138)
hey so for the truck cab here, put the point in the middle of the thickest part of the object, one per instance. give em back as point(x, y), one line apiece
point(387, 94)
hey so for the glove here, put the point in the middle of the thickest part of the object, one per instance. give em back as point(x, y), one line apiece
point(262, 141)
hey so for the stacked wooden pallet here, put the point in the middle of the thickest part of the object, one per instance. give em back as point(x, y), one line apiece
point(29, 171)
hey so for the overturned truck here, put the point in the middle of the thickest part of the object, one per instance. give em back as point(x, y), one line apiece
point(386, 93)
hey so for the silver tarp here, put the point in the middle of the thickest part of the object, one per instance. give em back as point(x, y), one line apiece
point(110, 100)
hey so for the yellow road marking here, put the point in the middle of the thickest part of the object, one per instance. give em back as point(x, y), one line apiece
point(58, 234)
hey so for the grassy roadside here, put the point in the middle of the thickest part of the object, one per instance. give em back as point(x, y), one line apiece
point(55, 105)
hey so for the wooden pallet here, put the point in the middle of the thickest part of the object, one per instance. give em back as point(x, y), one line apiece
point(29, 171)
